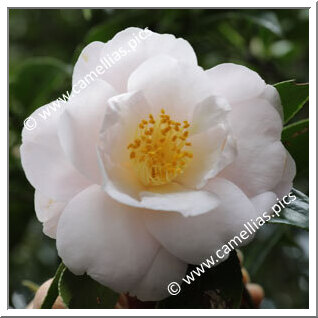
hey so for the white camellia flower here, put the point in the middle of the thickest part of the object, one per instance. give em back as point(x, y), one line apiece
point(156, 164)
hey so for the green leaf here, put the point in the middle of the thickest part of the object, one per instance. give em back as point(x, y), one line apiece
point(296, 140)
point(84, 292)
point(53, 292)
point(296, 213)
point(295, 129)
point(38, 81)
point(293, 97)
point(219, 287)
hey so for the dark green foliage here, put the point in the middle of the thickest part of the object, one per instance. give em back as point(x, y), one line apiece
point(293, 97)
point(84, 292)
point(53, 291)
point(296, 213)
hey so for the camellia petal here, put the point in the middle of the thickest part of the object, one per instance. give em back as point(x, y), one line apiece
point(264, 202)
point(193, 239)
point(209, 112)
point(79, 127)
point(43, 160)
point(48, 211)
point(165, 269)
point(171, 85)
point(213, 150)
point(259, 174)
point(171, 197)
point(131, 47)
point(120, 123)
point(286, 183)
point(272, 96)
point(86, 65)
point(212, 144)
point(258, 167)
point(235, 82)
point(105, 239)
point(120, 56)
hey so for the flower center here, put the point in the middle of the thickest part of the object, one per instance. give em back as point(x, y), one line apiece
point(158, 152)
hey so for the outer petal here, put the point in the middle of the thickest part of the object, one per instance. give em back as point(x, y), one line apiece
point(235, 82)
point(285, 184)
point(107, 240)
point(87, 62)
point(272, 96)
point(170, 84)
point(165, 269)
point(195, 238)
point(258, 168)
point(255, 120)
point(79, 127)
point(126, 51)
point(153, 44)
point(264, 202)
point(48, 212)
point(44, 161)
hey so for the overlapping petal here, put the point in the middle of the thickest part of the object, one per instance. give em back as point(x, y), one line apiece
point(272, 96)
point(213, 146)
point(126, 51)
point(165, 269)
point(193, 239)
point(105, 239)
point(44, 161)
point(123, 186)
point(256, 126)
point(48, 211)
point(264, 202)
point(235, 82)
point(285, 184)
point(79, 127)
point(172, 85)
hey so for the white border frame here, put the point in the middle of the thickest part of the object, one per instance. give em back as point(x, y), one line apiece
point(312, 161)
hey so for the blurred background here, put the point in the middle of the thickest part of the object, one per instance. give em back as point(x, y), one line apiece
point(44, 45)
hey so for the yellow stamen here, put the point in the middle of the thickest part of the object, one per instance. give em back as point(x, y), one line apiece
point(157, 153)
